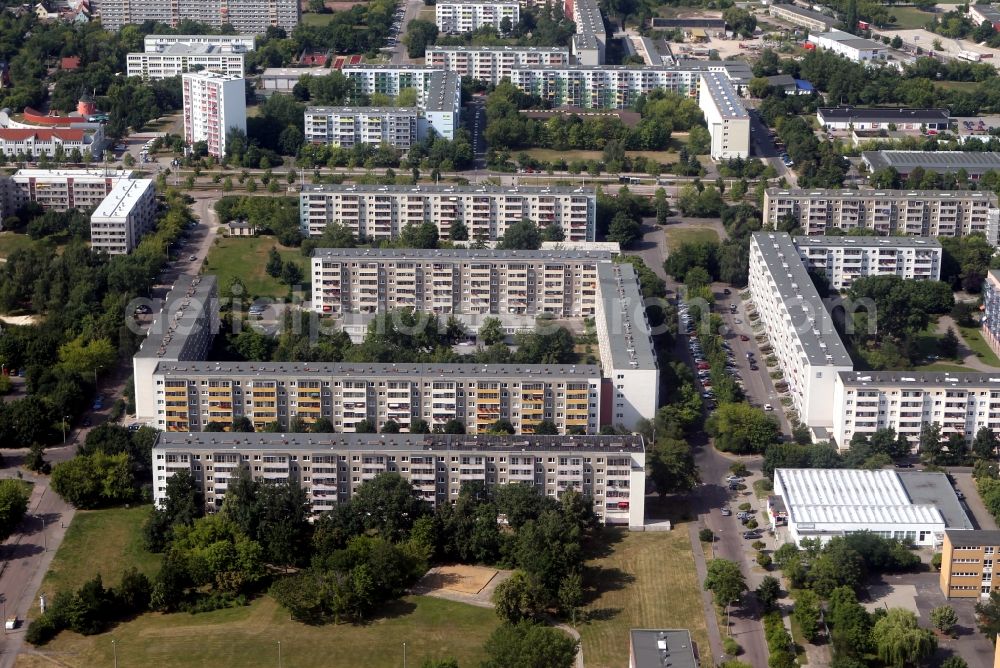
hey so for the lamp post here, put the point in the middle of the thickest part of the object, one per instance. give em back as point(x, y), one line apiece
point(404, 655)
point(65, 418)
point(279, 654)
point(114, 648)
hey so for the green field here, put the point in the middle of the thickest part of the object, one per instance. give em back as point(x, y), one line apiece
point(910, 17)
point(677, 235)
point(551, 155)
point(246, 257)
point(963, 86)
point(11, 241)
point(977, 344)
point(645, 580)
point(311, 19)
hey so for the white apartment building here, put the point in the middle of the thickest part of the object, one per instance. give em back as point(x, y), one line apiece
point(330, 467)
point(347, 126)
point(459, 16)
point(247, 17)
point(439, 92)
point(191, 395)
point(37, 142)
point(441, 106)
point(123, 217)
point(214, 104)
point(602, 87)
point(456, 281)
point(62, 189)
point(855, 49)
point(494, 63)
point(801, 331)
point(182, 330)
point(225, 43)
point(590, 41)
point(180, 58)
point(380, 212)
point(961, 403)
point(728, 121)
point(844, 259)
point(920, 213)
point(628, 358)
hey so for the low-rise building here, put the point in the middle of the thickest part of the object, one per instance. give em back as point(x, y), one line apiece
point(980, 14)
point(460, 16)
point(991, 309)
point(801, 330)
point(656, 648)
point(380, 212)
point(179, 58)
point(610, 470)
point(63, 189)
point(123, 217)
point(36, 143)
point(814, 22)
point(728, 121)
point(975, 164)
point(843, 259)
point(874, 118)
point(919, 213)
point(855, 49)
point(967, 560)
point(226, 43)
point(493, 63)
point(283, 79)
point(347, 126)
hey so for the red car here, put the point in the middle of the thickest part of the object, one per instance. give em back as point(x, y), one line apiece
point(744, 337)
point(704, 365)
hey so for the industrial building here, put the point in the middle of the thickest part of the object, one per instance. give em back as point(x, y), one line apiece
point(214, 104)
point(918, 213)
point(493, 63)
point(855, 49)
point(814, 22)
point(461, 16)
point(348, 126)
point(980, 14)
point(123, 217)
point(801, 331)
point(975, 164)
point(380, 212)
point(824, 503)
point(610, 470)
point(967, 559)
point(247, 17)
point(874, 118)
point(843, 259)
point(179, 58)
point(727, 119)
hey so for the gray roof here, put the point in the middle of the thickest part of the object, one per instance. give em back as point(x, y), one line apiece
point(624, 308)
point(821, 343)
point(477, 254)
point(655, 648)
point(884, 114)
point(653, 53)
point(697, 22)
point(806, 13)
point(739, 71)
point(187, 301)
point(976, 538)
point(447, 189)
point(362, 369)
point(181, 441)
point(723, 95)
point(935, 489)
point(349, 111)
point(500, 49)
point(781, 80)
point(936, 161)
point(923, 379)
point(874, 242)
point(850, 40)
point(585, 40)
point(187, 49)
point(388, 67)
point(443, 91)
point(844, 193)
point(989, 12)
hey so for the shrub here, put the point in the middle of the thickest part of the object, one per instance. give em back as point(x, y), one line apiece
point(764, 560)
point(752, 524)
point(739, 469)
point(731, 647)
point(706, 535)
point(745, 506)
point(936, 561)
point(758, 545)
point(41, 630)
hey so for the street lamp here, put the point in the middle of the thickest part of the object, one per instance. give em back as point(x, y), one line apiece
point(114, 648)
point(404, 655)
point(65, 418)
point(279, 654)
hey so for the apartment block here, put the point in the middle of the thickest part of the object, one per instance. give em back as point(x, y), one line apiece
point(801, 331)
point(347, 126)
point(456, 281)
point(624, 338)
point(330, 467)
point(728, 121)
point(967, 560)
point(602, 87)
point(844, 259)
point(182, 330)
point(180, 58)
point(62, 189)
point(123, 217)
point(991, 310)
point(459, 16)
point(494, 63)
point(918, 213)
point(225, 43)
point(441, 106)
point(590, 41)
point(439, 93)
point(247, 17)
point(214, 104)
point(380, 212)
point(191, 395)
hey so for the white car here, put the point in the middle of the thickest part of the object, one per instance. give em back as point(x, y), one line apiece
point(768, 407)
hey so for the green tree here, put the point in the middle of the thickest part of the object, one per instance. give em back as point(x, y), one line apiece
point(726, 582)
point(742, 429)
point(768, 593)
point(523, 235)
point(322, 426)
point(944, 618)
point(527, 645)
point(85, 358)
point(274, 263)
point(807, 612)
point(92, 481)
point(899, 641)
point(387, 505)
point(14, 496)
point(424, 235)
point(520, 597)
point(985, 444)
point(624, 229)
point(491, 331)
point(948, 345)
point(672, 467)
point(988, 615)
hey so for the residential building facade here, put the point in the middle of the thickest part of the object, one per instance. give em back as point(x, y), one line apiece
point(494, 63)
point(347, 126)
point(214, 104)
point(728, 121)
point(991, 309)
point(225, 43)
point(967, 563)
point(815, 22)
point(380, 212)
point(62, 189)
point(37, 143)
point(460, 16)
point(330, 467)
point(123, 217)
point(190, 396)
point(920, 213)
point(602, 87)
point(180, 58)
point(843, 259)
point(247, 17)
point(590, 41)
point(450, 281)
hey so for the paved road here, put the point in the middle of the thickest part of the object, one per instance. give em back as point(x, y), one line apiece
point(762, 146)
point(399, 51)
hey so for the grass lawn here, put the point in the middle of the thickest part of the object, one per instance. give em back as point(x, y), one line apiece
point(246, 257)
point(551, 155)
point(311, 19)
point(101, 541)
point(11, 241)
point(248, 637)
point(965, 86)
point(977, 344)
point(942, 366)
point(426, 14)
point(677, 235)
point(644, 580)
point(910, 17)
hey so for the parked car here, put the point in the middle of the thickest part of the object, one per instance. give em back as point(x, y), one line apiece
point(754, 367)
point(749, 355)
point(744, 337)
point(726, 512)
point(752, 535)
point(768, 407)
point(734, 478)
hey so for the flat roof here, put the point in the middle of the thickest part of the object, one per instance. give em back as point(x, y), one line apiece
point(698, 22)
point(821, 344)
point(974, 538)
point(927, 488)
point(73, 174)
point(805, 13)
point(478, 254)
point(781, 80)
point(723, 95)
point(180, 441)
point(282, 72)
point(850, 40)
point(184, 305)
point(501, 49)
point(739, 71)
point(122, 198)
point(938, 161)
point(956, 379)
point(844, 193)
point(349, 67)
point(883, 114)
point(854, 497)
point(372, 111)
point(624, 310)
point(435, 189)
point(363, 369)
point(656, 648)
point(988, 12)
point(444, 90)
point(652, 53)
point(863, 241)
point(189, 49)
point(212, 75)
point(499, 3)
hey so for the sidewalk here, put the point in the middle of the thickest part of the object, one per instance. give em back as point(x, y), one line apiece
point(714, 634)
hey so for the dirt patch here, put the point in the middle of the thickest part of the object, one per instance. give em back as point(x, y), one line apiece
point(467, 584)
